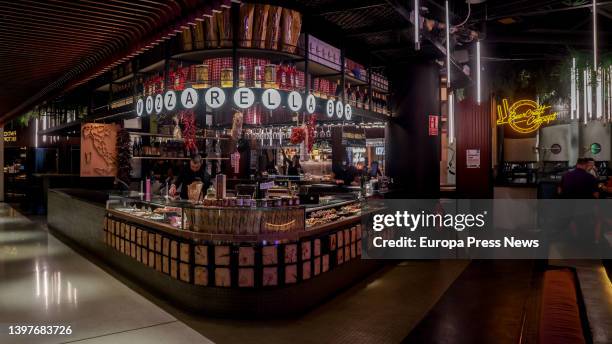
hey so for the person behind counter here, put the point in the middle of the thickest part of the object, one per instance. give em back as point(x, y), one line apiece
point(293, 166)
point(195, 172)
point(374, 171)
point(345, 174)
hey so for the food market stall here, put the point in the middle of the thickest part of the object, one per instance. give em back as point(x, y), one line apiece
point(268, 110)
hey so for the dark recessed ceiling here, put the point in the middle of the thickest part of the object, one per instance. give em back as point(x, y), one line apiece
point(46, 45)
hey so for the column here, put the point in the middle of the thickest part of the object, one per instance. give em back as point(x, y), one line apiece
point(413, 156)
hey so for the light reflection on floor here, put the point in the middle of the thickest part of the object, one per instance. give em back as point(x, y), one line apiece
point(44, 282)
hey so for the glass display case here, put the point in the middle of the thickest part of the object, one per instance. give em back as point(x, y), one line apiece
point(332, 209)
point(248, 218)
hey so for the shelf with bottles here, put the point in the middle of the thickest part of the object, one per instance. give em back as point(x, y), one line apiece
point(159, 147)
point(198, 137)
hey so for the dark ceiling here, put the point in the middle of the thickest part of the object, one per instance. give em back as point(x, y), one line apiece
point(519, 29)
point(46, 46)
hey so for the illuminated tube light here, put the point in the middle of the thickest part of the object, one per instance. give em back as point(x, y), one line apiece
point(417, 26)
point(595, 34)
point(609, 97)
point(478, 96)
point(448, 66)
point(584, 94)
point(599, 103)
point(589, 95)
point(451, 118)
point(36, 133)
point(573, 90)
point(45, 127)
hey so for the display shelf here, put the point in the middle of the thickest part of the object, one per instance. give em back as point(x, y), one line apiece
point(136, 133)
point(197, 56)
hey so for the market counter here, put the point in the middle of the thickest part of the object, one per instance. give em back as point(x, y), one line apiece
point(261, 273)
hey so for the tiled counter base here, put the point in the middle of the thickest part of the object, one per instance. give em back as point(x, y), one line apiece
point(239, 278)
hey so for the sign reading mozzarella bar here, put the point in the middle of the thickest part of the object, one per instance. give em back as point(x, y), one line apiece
point(242, 97)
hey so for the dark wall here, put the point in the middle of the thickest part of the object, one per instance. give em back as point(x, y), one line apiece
point(473, 131)
point(413, 157)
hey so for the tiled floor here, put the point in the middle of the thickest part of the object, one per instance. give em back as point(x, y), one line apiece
point(485, 305)
point(382, 309)
point(43, 282)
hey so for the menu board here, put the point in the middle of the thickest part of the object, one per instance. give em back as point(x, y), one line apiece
point(98, 150)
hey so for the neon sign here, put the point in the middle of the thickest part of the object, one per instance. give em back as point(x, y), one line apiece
point(524, 116)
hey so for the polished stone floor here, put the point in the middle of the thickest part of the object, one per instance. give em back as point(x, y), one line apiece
point(44, 282)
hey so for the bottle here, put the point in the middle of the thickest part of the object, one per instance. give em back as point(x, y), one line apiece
point(338, 90)
point(134, 148)
point(384, 108)
point(257, 76)
point(242, 76)
point(359, 98)
point(282, 76)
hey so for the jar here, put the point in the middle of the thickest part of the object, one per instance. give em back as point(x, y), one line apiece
point(270, 76)
point(227, 77)
point(202, 74)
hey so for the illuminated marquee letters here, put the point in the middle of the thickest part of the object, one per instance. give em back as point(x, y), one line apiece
point(170, 100)
point(339, 109)
point(189, 98)
point(524, 116)
point(149, 105)
point(271, 99)
point(348, 112)
point(214, 97)
point(294, 101)
point(159, 103)
point(329, 108)
point(139, 107)
point(311, 104)
point(243, 98)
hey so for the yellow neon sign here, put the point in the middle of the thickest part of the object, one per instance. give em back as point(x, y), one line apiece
point(524, 116)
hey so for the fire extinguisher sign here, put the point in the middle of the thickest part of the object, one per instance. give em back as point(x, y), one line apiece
point(433, 125)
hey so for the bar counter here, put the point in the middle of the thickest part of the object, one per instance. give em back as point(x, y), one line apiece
point(222, 261)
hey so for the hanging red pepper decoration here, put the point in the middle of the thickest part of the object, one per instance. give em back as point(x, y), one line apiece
point(189, 131)
point(312, 122)
point(297, 135)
